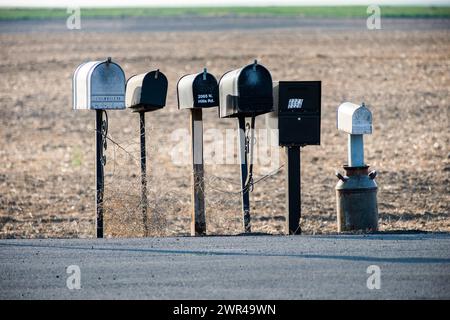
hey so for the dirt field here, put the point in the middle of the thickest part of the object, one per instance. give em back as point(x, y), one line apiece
point(47, 150)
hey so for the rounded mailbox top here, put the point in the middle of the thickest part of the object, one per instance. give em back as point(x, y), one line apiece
point(98, 85)
point(246, 91)
point(198, 90)
point(147, 91)
point(255, 80)
point(354, 119)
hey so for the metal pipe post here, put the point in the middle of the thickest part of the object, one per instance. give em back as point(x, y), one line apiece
point(355, 150)
point(244, 173)
point(99, 176)
point(293, 185)
point(144, 202)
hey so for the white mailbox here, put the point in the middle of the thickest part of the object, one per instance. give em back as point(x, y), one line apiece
point(98, 85)
point(197, 90)
point(354, 119)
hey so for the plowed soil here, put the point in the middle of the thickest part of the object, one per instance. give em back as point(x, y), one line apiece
point(47, 150)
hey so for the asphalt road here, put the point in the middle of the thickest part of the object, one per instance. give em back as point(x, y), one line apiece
point(239, 267)
point(192, 23)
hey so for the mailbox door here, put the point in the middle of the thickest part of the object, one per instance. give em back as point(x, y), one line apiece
point(299, 97)
point(299, 112)
point(107, 86)
point(299, 131)
point(205, 91)
point(255, 90)
point(154, 90)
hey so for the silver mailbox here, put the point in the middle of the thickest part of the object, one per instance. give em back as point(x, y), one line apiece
point(246, 92)
point(354, 119)
point(197, 90)
point(146, 91)
point(98, 85)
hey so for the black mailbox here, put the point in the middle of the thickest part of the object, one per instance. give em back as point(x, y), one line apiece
point(246, 92)
point(197, 90)
point(297, 112)
point(147, 91)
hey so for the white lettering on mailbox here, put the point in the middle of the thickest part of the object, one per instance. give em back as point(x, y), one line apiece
point(205, 98)
point(295, 103)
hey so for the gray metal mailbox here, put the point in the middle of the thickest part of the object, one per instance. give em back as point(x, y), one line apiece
point(354, 119)
point(246, 92)
point(98, 85)
point(147, 91)
point(198, 90)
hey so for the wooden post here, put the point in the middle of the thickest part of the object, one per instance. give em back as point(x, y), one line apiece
point(198, 219)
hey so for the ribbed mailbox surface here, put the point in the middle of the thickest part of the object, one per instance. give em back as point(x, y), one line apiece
point(246, 92)
point(354, 119)
point(147, 91)
point(98, 85)
point(197, 90)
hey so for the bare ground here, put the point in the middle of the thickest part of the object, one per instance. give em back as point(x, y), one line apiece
point(47, 150)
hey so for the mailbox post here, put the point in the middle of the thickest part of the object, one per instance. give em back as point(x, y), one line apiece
point(297, 119)
point(356, 191)
point(99, 86)
point(100, 144)
point(294, 191)
point(144, 93)
point(144, 200)
point(195, 92)
point(246, 92)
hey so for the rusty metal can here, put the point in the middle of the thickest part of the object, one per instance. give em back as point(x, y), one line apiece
point(356, 200)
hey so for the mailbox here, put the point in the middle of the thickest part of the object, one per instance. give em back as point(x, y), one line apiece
point(296, 116)
point(146, 92)
point(246, 92)
point(296, 112)
point(354, 119)
point(356, 191)
point(98, 85)
point(197, 90)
